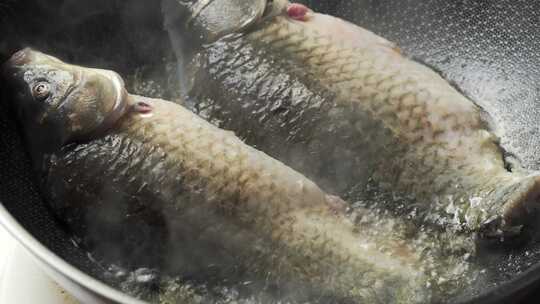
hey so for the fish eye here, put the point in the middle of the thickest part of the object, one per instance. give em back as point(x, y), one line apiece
point(41, 90)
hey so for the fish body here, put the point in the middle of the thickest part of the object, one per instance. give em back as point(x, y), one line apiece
point(230, 204)
point(345, 107)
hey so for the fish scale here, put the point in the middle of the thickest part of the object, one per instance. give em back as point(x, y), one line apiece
point(242, 193)
point(365, 114)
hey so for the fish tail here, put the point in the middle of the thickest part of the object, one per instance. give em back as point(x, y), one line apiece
point(515, 211)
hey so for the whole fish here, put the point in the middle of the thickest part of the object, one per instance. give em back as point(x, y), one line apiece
point(110, 157)
point(344, 107)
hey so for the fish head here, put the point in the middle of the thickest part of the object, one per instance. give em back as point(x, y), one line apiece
point(58, 103)
point(209, 20)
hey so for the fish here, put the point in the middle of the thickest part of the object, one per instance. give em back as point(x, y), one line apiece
point(107, 158)
point(347, 109)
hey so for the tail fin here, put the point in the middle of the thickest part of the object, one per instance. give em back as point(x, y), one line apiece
point(515, 211)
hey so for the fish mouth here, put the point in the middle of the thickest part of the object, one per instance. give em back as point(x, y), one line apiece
point(197, 9)
point(19, 58)
point(208, 19)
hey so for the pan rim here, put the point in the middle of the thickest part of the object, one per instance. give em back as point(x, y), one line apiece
point(50, 259)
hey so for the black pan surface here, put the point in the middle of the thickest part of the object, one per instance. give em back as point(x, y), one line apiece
point(488, 49)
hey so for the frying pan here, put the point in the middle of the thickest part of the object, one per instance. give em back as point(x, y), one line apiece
point(490, 50)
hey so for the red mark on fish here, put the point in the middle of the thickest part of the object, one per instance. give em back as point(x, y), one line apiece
point(299, 12)
point(142, 107)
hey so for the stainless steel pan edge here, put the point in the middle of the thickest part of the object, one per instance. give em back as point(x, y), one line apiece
point(80, 285)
